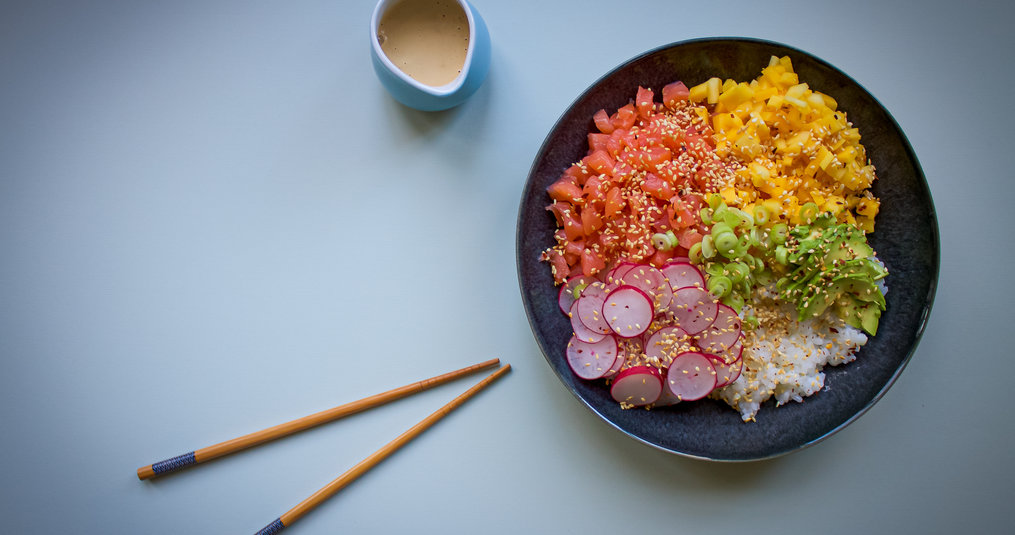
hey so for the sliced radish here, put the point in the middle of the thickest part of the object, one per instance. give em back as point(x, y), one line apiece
point(637, 385)
point(591, 361)
point(666, 398)
point(726, 373)
point(683, 275)
point(582, 332)
point(615, 275)
point(651, 281)
point(590, 313)
point(724, 332)
point(566, 296)
point(666, 343)
point(618, 363)
point(694, 309)
point(691, 376)
point(628, 311)
point(732, 354)
point(596, 289)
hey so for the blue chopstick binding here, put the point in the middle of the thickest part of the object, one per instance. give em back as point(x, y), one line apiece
point(174, 464)
point(275, 527)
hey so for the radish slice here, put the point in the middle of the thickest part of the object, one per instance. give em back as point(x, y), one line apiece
point(682, 275)
point(691, 376)
point(724, 332)
point(591, 361)
point(651, 281)
point(618, 363)
point(726, 373)
point(596, 289)
point(628, 311)
point(566, 296)
point(666, 398)
point(582, 332)
point(590, 313)
point(616, 274)
point(694, 309)
point(638, 385)
point(666, 343)
point(732, 354)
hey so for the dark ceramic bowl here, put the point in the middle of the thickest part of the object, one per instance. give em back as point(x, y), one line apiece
point(906, 240)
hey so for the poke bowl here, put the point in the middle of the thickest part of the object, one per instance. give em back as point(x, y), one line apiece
point(901, 229)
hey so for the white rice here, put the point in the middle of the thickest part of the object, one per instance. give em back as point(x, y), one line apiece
point(784, 358)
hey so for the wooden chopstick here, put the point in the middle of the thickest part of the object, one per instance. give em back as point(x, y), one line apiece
point(259, 437)
point(363, 466)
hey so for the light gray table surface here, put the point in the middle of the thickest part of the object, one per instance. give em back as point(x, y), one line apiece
point(213, 219)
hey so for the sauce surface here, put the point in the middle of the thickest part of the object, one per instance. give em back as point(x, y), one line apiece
point(426, 39)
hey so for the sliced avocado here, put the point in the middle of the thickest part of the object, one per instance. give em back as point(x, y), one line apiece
point(850, 310)
point(869, 317)
point(832, 264)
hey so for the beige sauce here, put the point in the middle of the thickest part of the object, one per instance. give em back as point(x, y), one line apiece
point(426, 39)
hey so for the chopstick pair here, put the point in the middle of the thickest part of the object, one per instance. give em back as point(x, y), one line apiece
point(259, 437)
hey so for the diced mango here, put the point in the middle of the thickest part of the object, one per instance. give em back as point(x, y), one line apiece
point(714, 85)
point(799, 145)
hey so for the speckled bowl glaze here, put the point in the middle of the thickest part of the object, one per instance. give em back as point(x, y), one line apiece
point(420, 96)
point(906, 239)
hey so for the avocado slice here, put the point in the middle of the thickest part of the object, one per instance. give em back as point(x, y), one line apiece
point(832, 264)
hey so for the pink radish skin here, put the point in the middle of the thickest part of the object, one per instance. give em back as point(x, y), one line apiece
point(691, 376)
point(683, 275)
point(566, 296)
point(628, 311)
point(597, 289)
point(662, 344)
point(618, 363)
point(694, 309)
point(651, 281)
point(591, 361)
point(590, 313)
point(724, 332)
point(725, 373)
point(666, 398)
point(616, 274)
point(732, 354)
point(638, 386)
point(582, 332)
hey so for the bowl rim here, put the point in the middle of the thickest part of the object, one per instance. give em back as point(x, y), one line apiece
point(905, 143)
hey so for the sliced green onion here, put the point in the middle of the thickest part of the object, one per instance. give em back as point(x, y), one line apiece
point(719, 286)
point(725, 242)
point(694, 253)
point(808, 213)
point(779, 233)
point(707, 247)
point(661, 242)
point(764, 277)
point(739, 252)
point(578, 289)
point(721, 228)
point(761, 214)
point(719, 214)
point(737, 217)
point(751, 321)
point(781, 254)
point(673, 239)
point(714, 200)
point(706, 215)
point(734, 301)
point(738, 271)
point(715, 269)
